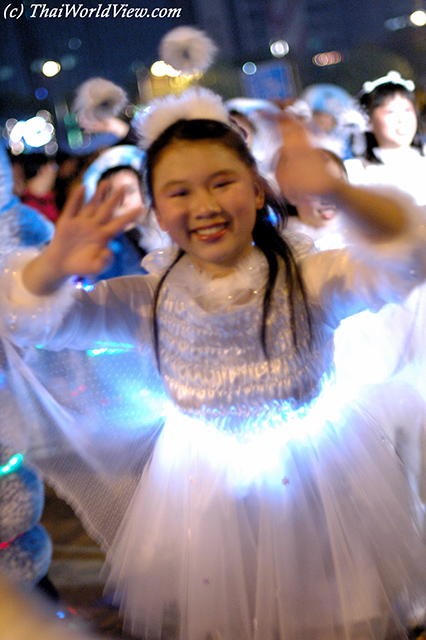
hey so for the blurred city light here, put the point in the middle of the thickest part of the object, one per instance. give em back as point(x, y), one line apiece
point(160, 69)
point(327, 58)
point(418, 18)
point(394, 24)
point(36, 66)
point(38, 132)
point(279, 48)
point(74, 43)
point(68, 62)
point(35, 132)
point(41, 93)
point(50, 68)
point(6, 73)
point(10, 123)
point(17, 132)
point(249, 68)
point(17, 147)
point(51, 148)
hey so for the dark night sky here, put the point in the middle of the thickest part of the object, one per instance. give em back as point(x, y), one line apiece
point(115, 47)
point(110, 47)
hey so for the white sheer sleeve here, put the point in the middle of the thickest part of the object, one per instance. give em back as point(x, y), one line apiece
point(79, 392)
point(117, 310)
point(367, 275)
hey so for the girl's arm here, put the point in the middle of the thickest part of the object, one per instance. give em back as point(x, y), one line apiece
point(386, 255)
point(80, 243)
point(40, 304)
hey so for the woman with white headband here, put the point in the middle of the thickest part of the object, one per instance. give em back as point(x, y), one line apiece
point(393, 152)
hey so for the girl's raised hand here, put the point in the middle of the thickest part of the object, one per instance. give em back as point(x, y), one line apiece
point(80, 243)
point(301, 168)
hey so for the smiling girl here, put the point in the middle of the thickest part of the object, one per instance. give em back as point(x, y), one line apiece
point(393, 154)
point(270, 508)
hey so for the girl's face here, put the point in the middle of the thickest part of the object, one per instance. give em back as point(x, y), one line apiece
point(394, 123)
point(206, 198)
point(132, 198)
point(315, 212)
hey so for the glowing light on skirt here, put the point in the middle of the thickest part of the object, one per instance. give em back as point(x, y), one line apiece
point(258, 452)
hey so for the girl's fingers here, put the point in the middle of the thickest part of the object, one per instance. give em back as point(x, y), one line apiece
point(119, 224)
point(74, 202)
point(95, 220)
point(105, 210)
point(100, 195)
point(102, 204)
point(295, 135)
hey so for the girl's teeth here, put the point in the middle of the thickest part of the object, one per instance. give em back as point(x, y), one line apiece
point(210, 230)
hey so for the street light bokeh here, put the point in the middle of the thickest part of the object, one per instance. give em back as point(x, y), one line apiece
point(50, 68)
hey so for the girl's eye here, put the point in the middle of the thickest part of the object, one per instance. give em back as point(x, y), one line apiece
point(223, 183)
point(178, 194)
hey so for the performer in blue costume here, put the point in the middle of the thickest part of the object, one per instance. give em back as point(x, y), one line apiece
point(259, 500)
point(21, 226)
point(121, 166)
point(26, 548)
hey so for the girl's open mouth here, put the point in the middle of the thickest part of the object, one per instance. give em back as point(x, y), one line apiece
point(327, 213)
point(210, 233)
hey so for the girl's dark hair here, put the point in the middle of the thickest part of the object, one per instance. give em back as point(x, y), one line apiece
point(267, 236)
point(121, 167)
point(373, 99)
point(32, 162)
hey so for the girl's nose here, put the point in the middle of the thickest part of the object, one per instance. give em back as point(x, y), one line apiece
point(205, 204)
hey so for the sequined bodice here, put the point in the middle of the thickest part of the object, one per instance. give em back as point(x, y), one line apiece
point(215, 365)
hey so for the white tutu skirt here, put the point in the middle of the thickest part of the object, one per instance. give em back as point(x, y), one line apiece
point(301, 532)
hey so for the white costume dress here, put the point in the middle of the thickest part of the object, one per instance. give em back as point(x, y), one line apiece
point(404, 169)
point(272, 507)
point(332, 236)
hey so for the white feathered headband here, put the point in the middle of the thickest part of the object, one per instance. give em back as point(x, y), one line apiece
point(196, 103)
point(98, 99)
point(393, 77)
point(187, 49)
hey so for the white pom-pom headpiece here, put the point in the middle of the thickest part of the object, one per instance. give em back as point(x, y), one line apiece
point(392, 76)
point(98, 98)
point(196, 103)
point(187, 49)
